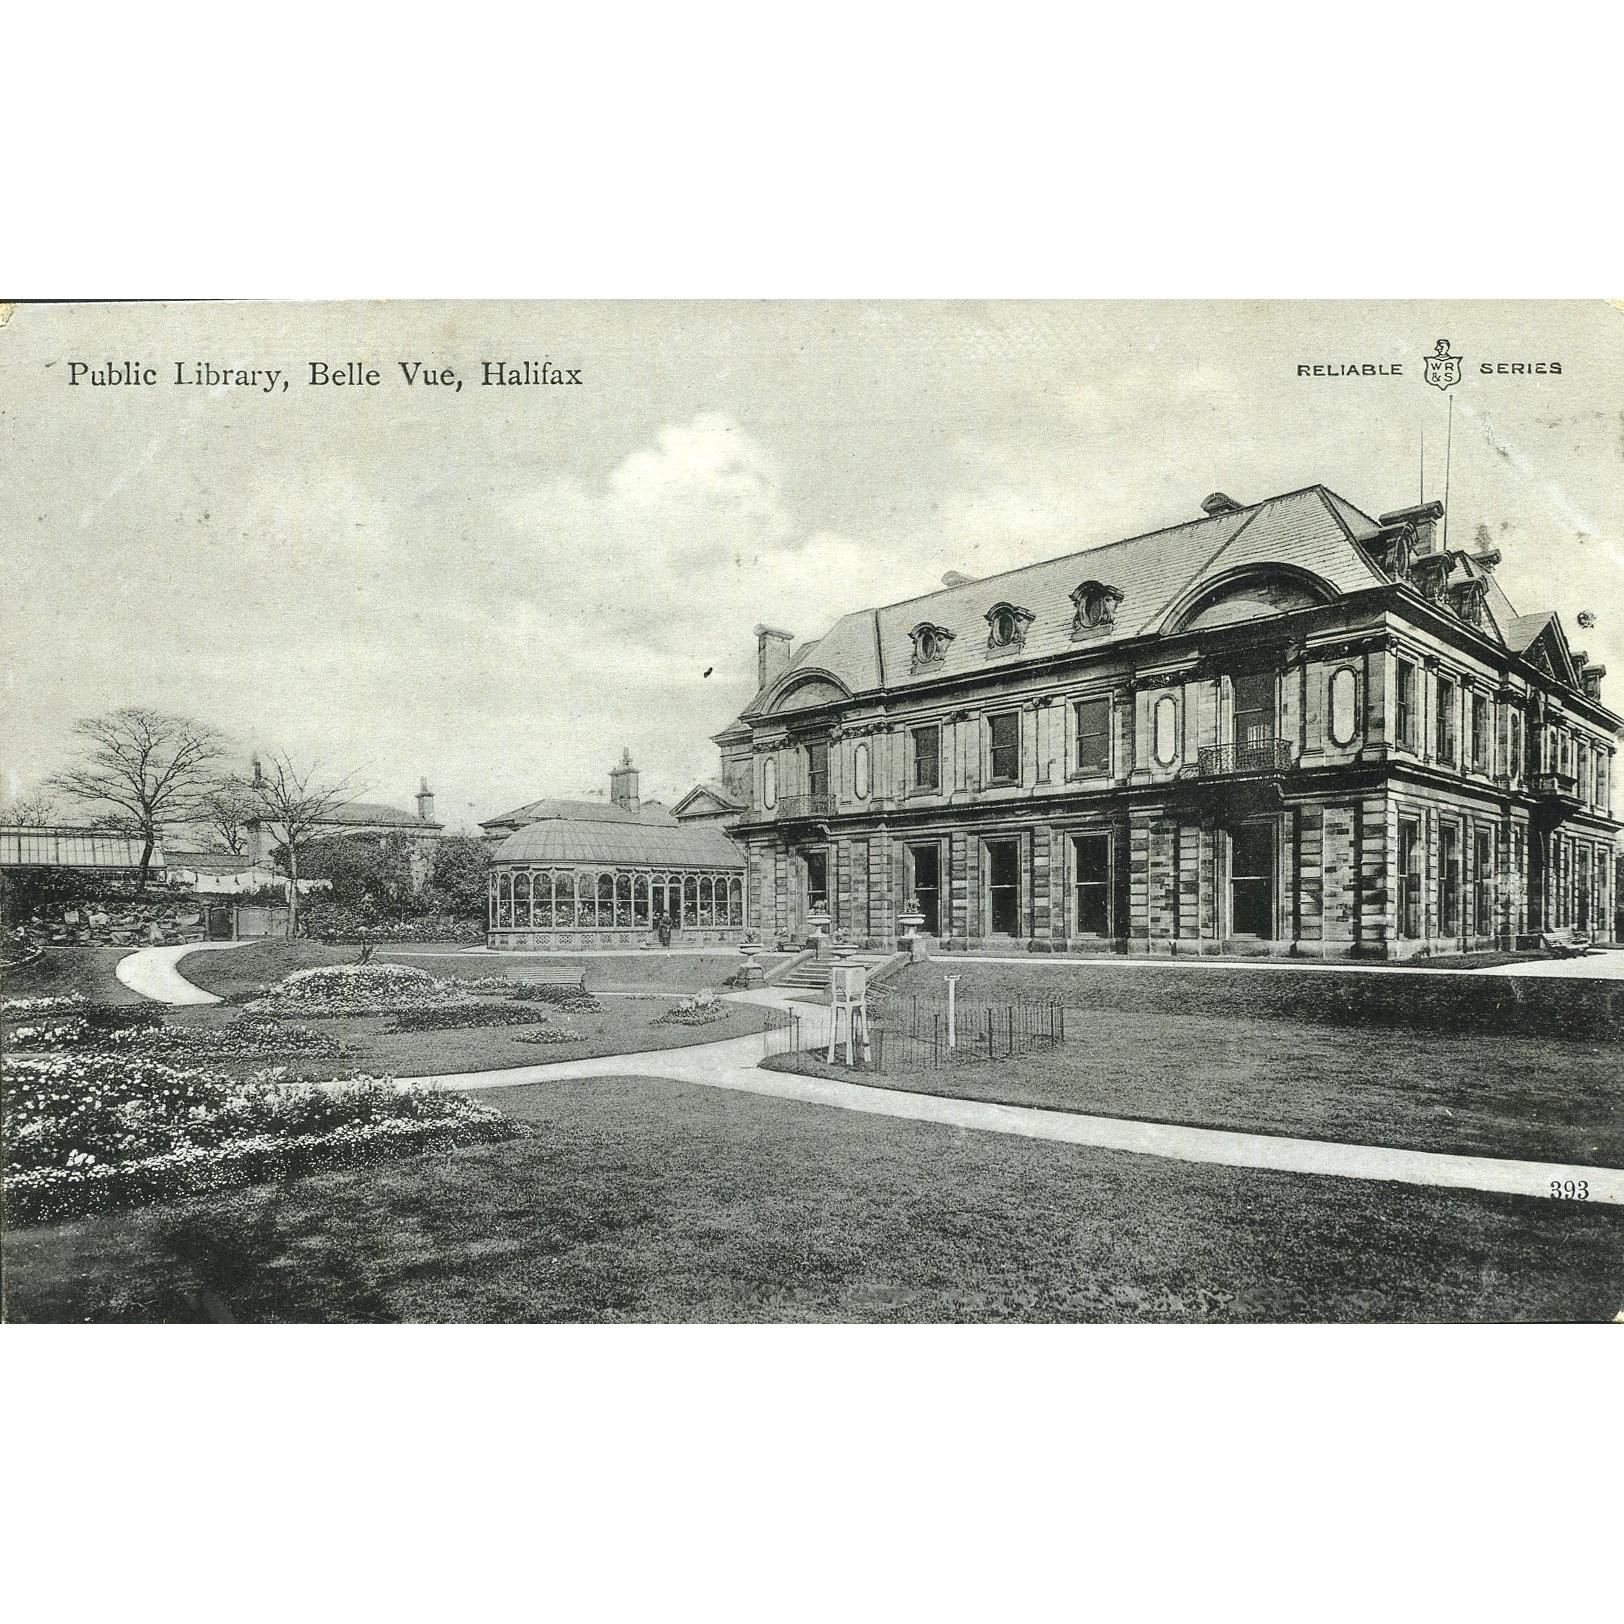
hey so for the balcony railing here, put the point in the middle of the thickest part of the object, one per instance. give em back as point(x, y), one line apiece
point(1560, 786)
point(794, 808)
point(1262, 756)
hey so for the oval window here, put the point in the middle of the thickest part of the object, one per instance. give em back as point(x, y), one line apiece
point(1344, 706)
point(1167, 730)
point(769, 782)
point(859, 772)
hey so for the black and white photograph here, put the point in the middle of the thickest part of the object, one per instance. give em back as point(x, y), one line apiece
point(796, 811)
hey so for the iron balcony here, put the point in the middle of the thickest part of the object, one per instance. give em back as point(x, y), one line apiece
point(1230, 760)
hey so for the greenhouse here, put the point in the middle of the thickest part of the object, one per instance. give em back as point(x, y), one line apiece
point(597, 880)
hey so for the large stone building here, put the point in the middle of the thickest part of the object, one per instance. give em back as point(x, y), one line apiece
point(1284, 727)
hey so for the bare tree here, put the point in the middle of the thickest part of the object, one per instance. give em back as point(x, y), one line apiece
point(147, 767)
point(30, 809)
point(292, 803)
point(226, 811)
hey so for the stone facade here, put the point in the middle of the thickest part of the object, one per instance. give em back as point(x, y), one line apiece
point(1330, 748)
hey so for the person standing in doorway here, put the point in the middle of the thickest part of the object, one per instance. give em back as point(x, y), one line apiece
point(662, 925)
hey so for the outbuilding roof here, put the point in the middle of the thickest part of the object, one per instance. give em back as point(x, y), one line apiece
point(650, 815)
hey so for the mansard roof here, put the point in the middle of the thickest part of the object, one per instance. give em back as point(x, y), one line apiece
point(1311, 531)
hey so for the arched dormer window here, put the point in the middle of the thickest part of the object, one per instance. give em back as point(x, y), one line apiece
point(1006, 626)
point(1095, 603)
point(929, 644)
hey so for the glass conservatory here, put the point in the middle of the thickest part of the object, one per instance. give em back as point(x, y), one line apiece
point(566, 884)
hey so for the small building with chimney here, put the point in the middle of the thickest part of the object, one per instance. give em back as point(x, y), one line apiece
point(364, 820)
point(593, 874)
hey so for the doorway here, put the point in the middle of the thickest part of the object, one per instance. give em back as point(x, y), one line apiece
point(1251, 881)
point(925, 867)
point(1004, 887)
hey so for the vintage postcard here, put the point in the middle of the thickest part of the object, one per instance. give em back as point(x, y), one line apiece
point(859, 812)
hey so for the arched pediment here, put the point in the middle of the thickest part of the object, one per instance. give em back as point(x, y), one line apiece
point(806, 689)
point(1256, 593)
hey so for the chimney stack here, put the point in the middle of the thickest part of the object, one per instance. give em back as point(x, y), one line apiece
point(1423, 521)
point(772, 654)
point(623, 784)
point(425, 801)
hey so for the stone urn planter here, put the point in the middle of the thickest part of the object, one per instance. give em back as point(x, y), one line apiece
point(750, 974)
point(910, 922)
point(844, 950)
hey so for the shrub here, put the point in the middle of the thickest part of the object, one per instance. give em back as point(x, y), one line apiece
point(461, 1015)
point(569, 999)
point(90, 1132)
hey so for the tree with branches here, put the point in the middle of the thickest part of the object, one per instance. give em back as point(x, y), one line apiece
point(30, 809)
point(292, 803)
point(145, 768)
point(226, 810)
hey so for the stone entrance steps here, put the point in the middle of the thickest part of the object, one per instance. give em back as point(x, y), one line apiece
point(814, 976)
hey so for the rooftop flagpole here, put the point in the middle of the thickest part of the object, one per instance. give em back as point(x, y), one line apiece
point(1449, 446)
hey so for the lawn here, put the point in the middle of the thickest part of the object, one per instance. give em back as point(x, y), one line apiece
point(1303, 1075)
point(1430, 1002)
point(60, 970)
point(247, 970)
point(653, 1200)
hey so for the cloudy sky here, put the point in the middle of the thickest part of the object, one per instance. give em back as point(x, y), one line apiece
point(501, 588)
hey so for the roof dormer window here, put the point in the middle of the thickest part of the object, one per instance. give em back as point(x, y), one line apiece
point(1095, 603)
point(1006, 626)
point(929, 643)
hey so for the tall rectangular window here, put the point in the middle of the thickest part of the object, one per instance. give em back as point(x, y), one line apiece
point(1404, 702)
point(1254, 708)
point(1514, 735)
point(1094, 737)
point(927, 757)
point(1480, 732)
point(1447, 705)
point(1409, 878)
point(1004, 738)
point(1581, 772)
point(1251, 880)
point(817, 769)
point(1449, 879)
point(1004, 887)
point(1484, 882)
point(1092, 859)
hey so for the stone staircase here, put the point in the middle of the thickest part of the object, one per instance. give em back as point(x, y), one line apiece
point(813, 976)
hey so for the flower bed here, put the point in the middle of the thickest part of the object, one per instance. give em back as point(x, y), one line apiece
point(246, 1039)
point(549, 1035)
point(700, 1010)
point(358, 989)
point(86, 1133)
point(72, 1020)
point(463, 1015)
point(60, 1003)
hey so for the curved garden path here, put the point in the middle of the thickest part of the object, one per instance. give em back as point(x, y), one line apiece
point(735, 1064)
point(152, 972)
